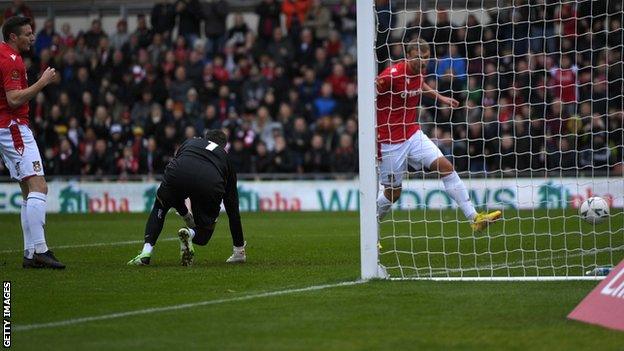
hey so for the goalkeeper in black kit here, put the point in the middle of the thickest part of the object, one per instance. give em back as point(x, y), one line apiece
point(200, 171)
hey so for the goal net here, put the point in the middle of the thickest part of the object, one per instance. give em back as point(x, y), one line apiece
point(538, 129)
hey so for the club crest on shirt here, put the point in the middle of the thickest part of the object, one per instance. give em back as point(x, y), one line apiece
point(36, 166)
point(15, 74)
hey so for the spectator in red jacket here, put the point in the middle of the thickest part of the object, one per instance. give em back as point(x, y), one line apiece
point(128, 164)
point(338, 80)
point(295, 11)
point(563, 82)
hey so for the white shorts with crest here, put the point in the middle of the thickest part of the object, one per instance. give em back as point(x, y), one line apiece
point(418, 151)
point(20, 152)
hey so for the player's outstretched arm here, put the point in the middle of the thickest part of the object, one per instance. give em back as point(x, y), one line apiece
point(230, 202)
point(18, 97)
point(432, 93)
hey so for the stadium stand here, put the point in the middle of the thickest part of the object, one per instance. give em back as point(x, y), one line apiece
point(282, 84)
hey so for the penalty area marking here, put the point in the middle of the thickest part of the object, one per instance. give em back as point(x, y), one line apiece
point(121, 243)
point(116, 243)
point(180, 307)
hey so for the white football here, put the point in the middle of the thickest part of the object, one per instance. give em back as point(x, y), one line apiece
point(594, 210)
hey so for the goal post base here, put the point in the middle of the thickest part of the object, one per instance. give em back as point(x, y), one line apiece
point(382, 273)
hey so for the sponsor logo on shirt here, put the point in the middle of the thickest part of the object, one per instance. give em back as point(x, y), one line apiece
point(409, 93)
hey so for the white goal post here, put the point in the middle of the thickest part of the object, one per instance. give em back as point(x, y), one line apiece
point(366, 73)
point(541, 235)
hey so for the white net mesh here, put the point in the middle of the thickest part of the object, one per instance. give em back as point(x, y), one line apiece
point(538, 130)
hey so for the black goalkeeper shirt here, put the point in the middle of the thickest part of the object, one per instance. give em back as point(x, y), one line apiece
point(206, 168)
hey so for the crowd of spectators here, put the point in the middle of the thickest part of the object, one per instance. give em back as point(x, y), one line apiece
point(540, 87)
point(124, 100)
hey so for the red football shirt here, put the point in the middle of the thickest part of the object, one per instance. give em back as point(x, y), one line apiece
point(398, 97)
point(13, 77)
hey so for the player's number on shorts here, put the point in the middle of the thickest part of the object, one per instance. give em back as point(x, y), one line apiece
point(211, 146)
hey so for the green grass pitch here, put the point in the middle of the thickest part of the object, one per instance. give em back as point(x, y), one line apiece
point(298, 250)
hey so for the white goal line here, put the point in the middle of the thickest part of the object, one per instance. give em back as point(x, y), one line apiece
point(120, 243)
point(438, 273)
point(503, 279)
point(180, 307)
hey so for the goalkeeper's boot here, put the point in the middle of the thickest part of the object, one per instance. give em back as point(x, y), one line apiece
point(187, 252)
point(238, 254)
point(48, 260)
point(142, 259)
point(483, 219)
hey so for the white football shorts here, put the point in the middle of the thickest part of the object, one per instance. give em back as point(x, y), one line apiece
point(418, 151)
point(20, 152)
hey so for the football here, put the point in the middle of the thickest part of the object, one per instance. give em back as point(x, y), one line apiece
point(594, 210)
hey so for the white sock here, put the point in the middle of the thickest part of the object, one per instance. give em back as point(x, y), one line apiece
point(35, 216)
point(240, 249)
point(456, 189)
point(147, 248)
point(29, 246)
point(383, 206)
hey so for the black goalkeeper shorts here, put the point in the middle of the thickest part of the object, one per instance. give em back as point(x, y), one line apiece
point(205, 201)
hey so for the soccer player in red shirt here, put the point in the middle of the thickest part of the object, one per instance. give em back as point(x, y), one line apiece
point(401, 142)
point(17, 144)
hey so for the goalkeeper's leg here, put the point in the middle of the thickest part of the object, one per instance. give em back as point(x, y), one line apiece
point(153, 228)
point(166, 197)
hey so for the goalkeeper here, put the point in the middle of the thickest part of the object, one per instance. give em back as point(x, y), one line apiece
point(201, 171)
point(401, 142)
